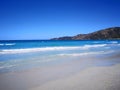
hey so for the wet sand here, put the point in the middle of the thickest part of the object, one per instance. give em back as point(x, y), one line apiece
point(82, 74)
point(96, 78)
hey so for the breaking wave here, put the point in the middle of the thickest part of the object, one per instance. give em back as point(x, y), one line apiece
point(26, 50)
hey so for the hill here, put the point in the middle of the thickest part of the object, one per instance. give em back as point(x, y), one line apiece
point(109, 33)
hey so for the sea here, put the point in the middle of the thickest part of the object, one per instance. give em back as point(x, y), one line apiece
point(18, 55)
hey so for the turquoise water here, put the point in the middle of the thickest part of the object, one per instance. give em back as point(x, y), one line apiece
point(24, 54)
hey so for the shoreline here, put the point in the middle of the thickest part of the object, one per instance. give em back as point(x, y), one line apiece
point(99, 72)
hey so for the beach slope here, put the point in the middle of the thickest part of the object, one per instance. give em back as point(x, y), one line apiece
point(95, 78)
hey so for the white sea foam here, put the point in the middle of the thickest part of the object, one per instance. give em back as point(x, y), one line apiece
point(10, 44)
point(8, 66)
point(1, 44)
point(14, 51)
point(94, 46)
point(7, 44)
point(87, 53)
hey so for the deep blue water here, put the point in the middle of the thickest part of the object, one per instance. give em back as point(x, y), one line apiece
point(22, 54)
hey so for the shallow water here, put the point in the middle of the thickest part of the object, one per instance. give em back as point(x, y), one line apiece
point(22, 55)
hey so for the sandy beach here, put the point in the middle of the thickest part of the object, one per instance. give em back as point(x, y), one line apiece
point(94, 71)
point(96, 78)
point(63, 77)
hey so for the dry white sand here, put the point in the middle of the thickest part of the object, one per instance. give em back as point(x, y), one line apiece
point(95, 78)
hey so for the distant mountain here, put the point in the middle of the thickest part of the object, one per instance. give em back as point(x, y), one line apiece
point(109, 33)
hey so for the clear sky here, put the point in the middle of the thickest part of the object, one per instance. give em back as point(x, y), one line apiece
point(44, 19)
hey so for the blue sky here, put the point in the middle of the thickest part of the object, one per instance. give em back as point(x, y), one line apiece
point(44, 19)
